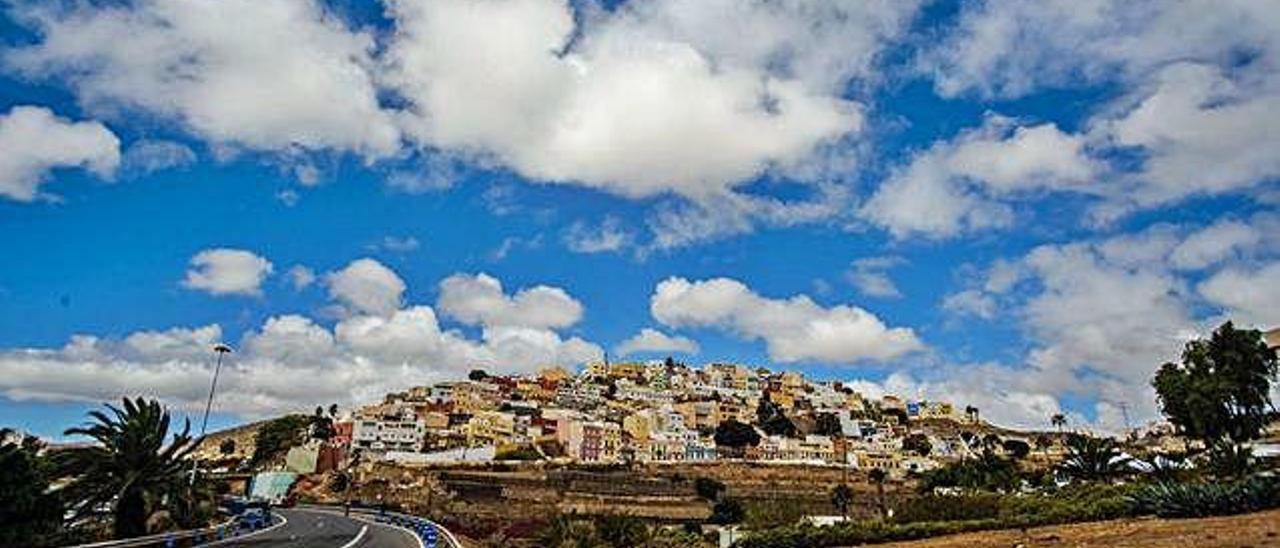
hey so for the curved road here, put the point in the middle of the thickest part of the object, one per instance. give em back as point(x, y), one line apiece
point(308, 528)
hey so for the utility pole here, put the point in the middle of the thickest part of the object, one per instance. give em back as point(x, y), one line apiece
point(352, 463)
point(218, 349)
point(1124, 410)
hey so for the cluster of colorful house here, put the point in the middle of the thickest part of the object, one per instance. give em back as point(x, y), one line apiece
point(657, 412)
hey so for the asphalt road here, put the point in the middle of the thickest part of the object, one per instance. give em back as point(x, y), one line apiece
point(321, 529)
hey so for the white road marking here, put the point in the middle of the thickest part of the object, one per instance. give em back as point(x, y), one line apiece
point(405, 530)
point(359, 536)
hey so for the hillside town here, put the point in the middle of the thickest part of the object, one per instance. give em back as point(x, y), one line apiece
point(655, 412)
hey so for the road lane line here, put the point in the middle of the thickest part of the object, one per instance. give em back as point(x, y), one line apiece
point(405, 530)
point(360, 535)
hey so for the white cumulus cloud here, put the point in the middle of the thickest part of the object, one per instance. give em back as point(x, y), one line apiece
point(628, 100)
point(793, 329)
point(271, 76)
point(224, 271)
point(652, 340)
point(480, 300)
point(1251, 296)
point(963, 184)
point(366, 286)
point(34, 141)
point(289, 363)
point(870, 276)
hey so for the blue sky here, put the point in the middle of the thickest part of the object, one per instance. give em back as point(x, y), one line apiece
point(910, 195)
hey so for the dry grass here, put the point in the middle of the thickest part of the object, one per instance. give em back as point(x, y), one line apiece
point(1248, 530)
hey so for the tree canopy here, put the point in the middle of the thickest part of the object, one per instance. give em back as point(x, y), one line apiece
point(29, 513)
point(278, 436)
point(1221, 389)
point(917, 443)
point(737, 435)
point(773, 421)
point(130, 467)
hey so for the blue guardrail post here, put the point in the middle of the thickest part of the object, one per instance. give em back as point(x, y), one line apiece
point(430, 538)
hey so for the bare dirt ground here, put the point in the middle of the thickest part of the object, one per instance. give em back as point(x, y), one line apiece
point(1249, 530)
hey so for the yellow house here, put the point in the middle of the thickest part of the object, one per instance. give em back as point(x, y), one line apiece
point(639, 425)
point(633, 371)
point(699, 414)
point(792, 382)
point(553, 374)
point(490, 427)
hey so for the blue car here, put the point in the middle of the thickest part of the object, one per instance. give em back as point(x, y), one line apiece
point(254, 517)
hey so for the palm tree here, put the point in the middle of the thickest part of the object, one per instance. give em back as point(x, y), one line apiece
point(1058, 420)
point(130, 467)
point(842, 497)
point(1090, 458)
point(971, 412)
point(564, 531)
point(877, 476)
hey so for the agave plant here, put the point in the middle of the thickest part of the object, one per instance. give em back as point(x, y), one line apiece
point(1093, 459)
point(1186, 500)
point(1230, 460)
point(130, 468)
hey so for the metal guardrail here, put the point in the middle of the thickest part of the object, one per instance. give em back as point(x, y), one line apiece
point(192, 537)
point(430, 532)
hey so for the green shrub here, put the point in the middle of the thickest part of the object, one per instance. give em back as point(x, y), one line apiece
point(1075, 503)
point(708, 488)
point(990, 472)
point(1186, 500)
point(727, 511)
point(860, 532)
point(949, 508)
point(959, 514)
point(521, 452)
point(277, 436)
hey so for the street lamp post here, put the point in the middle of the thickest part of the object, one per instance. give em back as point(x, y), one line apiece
point(218, 349)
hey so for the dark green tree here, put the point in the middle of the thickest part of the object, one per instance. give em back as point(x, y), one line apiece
point(566, 531)
point(621, 530)
point(477, 375)
point(988, 472)
point(129, 468)
point(708, 488)
point(878, 477)
point(842, 497)
point(278, 436)
point(1015, 448)
point(899, 414)
point(991, 442)
point(1220, 392)
point(828, 424)
point(772, 420)
point(727, 512)
point(1043, 443)
point(227, 447)
point(917, 443)
point(321, 425)
point(736, 436)
point(29, 513)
